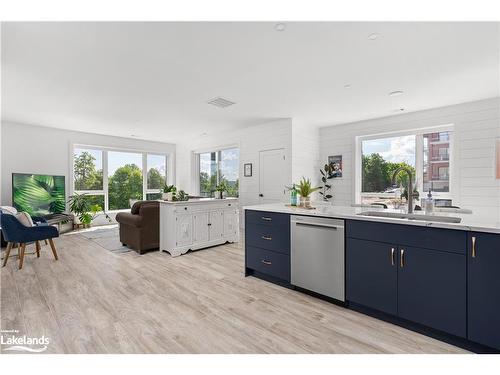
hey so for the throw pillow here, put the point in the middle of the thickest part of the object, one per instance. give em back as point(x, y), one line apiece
point(25, 219)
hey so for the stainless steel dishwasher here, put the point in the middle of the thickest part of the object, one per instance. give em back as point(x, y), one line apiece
point(317, 255)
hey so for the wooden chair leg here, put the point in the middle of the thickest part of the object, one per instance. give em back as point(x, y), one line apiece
point(21, 256)
point(7, 253)
point(37, 246)
point(53, 247)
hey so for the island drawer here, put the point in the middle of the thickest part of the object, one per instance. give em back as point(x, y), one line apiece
point(450, 240)
point(268, 262)
point(274, 219)
point(270, 237)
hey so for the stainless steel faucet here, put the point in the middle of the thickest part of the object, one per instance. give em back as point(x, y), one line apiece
point(411, 194)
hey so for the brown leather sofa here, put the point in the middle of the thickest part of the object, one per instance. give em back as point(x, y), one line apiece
point(140, 228)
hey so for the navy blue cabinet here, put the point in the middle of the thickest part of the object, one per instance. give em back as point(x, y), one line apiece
point(371, 274)
point(409, 278)
point(484, 289)
point(267, 244)
point(432, 289)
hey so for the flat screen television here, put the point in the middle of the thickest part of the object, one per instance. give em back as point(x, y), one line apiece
point(38, 194)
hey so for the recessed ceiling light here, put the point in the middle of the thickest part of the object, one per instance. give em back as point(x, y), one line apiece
point(280, 27)
point(396, 93)
point(373, 36)
point(347, 86)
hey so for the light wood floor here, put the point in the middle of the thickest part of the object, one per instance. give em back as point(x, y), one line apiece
point(96, 301)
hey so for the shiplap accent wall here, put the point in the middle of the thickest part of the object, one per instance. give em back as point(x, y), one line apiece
point(476, 125)
point(305, 154)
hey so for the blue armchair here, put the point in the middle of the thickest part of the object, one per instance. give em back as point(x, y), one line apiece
point(15, 232)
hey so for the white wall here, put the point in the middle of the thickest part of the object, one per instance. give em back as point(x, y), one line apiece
point(271, 135)
point(477, 124)
point(43, 150)
point(305, 153)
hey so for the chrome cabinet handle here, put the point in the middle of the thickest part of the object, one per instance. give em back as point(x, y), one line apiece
point(473, 246)
point(268, 238)
point(266, 262)
point(393, 258)
point(266, 218)
point(402, 258)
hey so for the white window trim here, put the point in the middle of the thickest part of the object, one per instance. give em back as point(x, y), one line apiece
point(195, 157)
point(105, 183)
point(419, 132)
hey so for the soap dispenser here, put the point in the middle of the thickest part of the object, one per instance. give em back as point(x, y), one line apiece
point(429, 203)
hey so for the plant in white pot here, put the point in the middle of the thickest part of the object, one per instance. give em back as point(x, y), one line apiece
point(220, 189)
point(168, 192)
point(305, 189)
point(85, 212)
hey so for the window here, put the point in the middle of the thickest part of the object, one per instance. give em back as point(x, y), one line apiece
point(112, 178)
point(219, 167)
point(426, 154)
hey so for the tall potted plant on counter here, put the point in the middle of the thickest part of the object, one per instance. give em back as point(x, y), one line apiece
point(305, 189)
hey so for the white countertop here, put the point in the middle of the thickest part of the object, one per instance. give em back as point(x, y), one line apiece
point(200, 200)
point(470, 222)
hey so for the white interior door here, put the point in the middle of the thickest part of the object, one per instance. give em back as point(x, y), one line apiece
point(272, 176)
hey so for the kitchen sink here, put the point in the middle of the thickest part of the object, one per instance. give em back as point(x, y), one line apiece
point(422, 217)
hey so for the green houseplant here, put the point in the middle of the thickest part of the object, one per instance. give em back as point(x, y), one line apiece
point(80, 205)
point(181, 196)
point(168, 192)
point(305, 189)
point(326, 174)
point(220, 189)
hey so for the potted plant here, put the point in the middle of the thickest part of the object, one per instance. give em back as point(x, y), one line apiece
point(220, 189)
point(84, 211)
point(326, 174)
point(305, 190)
point(168, 192)
point(181, 196)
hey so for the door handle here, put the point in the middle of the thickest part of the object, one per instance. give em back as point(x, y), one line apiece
point(402, 258)
point(393, 258)
point(266, 262)
point(473, 246)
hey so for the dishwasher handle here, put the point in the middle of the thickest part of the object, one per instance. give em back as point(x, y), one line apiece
point(309, 224)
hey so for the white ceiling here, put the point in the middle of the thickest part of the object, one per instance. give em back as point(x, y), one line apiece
point(153, 79)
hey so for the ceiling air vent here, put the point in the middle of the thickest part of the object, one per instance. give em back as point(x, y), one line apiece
point(220, 102)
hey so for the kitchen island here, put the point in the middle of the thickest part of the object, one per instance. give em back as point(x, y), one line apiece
point(438, 278)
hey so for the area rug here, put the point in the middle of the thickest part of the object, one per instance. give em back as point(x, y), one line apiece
point(106, 237)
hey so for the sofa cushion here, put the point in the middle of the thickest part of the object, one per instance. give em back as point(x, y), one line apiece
point(8, 210)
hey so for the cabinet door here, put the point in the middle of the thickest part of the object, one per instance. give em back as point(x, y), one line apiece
point(484, 289)
point(432, 289)
point(230, 222)
point(371, 274)
point(216, 225)
point(184, 230)
point(200, 220)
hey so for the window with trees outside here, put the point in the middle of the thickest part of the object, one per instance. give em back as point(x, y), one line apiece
point(113, 179)
point(426, 154)
point(219, 167)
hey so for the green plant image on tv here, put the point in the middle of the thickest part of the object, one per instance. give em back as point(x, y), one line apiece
point(38, 195)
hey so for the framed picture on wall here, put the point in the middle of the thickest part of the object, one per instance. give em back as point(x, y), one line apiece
point(497, 150)
point(247, 170)
point(336, 161)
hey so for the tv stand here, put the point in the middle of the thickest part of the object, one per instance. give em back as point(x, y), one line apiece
point(59, 219)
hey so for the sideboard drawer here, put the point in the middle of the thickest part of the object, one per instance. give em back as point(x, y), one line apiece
point(270, 237)
point(268, 262)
